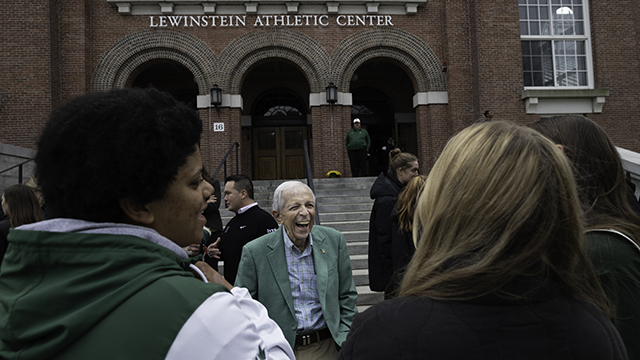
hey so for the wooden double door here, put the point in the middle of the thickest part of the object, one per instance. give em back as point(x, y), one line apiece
point(278, 152)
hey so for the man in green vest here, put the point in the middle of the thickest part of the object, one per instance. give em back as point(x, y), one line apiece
point(358, 143)
point(107, 276)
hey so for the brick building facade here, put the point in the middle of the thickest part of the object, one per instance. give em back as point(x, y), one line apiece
point(418, 71)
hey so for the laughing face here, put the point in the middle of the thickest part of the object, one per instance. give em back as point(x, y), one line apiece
point(298, 214)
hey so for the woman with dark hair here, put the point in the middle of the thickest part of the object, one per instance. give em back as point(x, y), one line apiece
point(401, 229)
point(21, 205)
point(500, 270)
point(402, 168)
point(613, 228)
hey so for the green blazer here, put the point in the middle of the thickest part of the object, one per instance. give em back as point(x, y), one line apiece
point(263, 271)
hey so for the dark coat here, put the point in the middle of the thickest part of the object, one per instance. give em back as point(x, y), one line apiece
point(385, 192)
point(547, 325)
point(402, 249)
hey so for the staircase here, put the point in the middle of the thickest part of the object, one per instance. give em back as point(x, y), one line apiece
point(343, 204)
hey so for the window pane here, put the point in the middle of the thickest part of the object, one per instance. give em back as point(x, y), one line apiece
point(293, 140)
point(537, 63)
point(533, 12)
point(267, 140)
point(535, 47)
point(525, 48)
point(580, 47)
point(577, 13)
point(537, 79)
point(535, 29)
point(524, 28)
point(526, 63)
point(544, 12)
point(522, 1)
point(579, 27)
point(582, 78)
point(545, 28)
point(582, 63)
point(523, 12)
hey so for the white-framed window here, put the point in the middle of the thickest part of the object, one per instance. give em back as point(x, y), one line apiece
point(556, 47)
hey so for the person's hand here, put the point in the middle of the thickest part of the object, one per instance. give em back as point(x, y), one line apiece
point(192, 250)
point(212, 199)
point(213, 251)
point(212, 275)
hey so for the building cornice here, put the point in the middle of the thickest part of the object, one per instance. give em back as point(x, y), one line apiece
point(240, 7)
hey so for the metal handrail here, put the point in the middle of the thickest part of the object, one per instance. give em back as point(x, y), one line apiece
point(310, 177)
point(19, 166)
point(224, 161)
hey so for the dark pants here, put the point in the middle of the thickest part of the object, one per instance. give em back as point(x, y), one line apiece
point(358, 160)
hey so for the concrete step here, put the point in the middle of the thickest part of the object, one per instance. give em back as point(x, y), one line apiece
point(356, 235)
point(359, 262)
point(368, 297)
point(343, 199)
point(331, 208)
point(346, 225)
point(358, 247)
point(345, 216)
point(361, 277)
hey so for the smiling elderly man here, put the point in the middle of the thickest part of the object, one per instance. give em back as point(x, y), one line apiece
point(302, 275)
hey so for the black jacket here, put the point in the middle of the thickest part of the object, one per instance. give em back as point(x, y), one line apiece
point(385, 192)
point(402, 249)
point(547, 325)
point(240, 230)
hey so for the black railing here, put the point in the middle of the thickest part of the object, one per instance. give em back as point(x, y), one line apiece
point(19, 166)
point(224, 162)
point(307, 163)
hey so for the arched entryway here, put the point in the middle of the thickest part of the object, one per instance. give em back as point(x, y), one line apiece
point(275, 117)
point(382, 99)
point(168, 76)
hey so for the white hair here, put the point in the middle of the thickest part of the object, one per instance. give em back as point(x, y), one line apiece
point(278, 201)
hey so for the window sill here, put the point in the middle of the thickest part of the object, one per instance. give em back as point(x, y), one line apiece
point(561, 101)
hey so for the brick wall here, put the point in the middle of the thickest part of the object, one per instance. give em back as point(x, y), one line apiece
point(55, 50)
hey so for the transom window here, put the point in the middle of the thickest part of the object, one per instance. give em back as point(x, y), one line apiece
point(556, 48)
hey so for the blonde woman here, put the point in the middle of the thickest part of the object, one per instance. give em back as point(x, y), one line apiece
point(500, 271)
point(402, 247)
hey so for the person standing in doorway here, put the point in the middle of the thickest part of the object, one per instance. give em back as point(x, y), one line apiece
point(358, 143)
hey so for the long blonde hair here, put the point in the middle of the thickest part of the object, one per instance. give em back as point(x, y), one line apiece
point(500, 202)
point(407, 200)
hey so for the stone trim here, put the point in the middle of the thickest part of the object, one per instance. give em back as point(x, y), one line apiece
point(560, 101)
point(430, 98)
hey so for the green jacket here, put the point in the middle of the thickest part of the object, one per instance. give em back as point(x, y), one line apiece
point(617, 263)
point(358, 140)
point(263, 271)
point(97, 296)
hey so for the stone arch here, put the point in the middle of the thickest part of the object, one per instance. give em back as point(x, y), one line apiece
point(126, 55)
point(406, 49)
point(253, 47)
